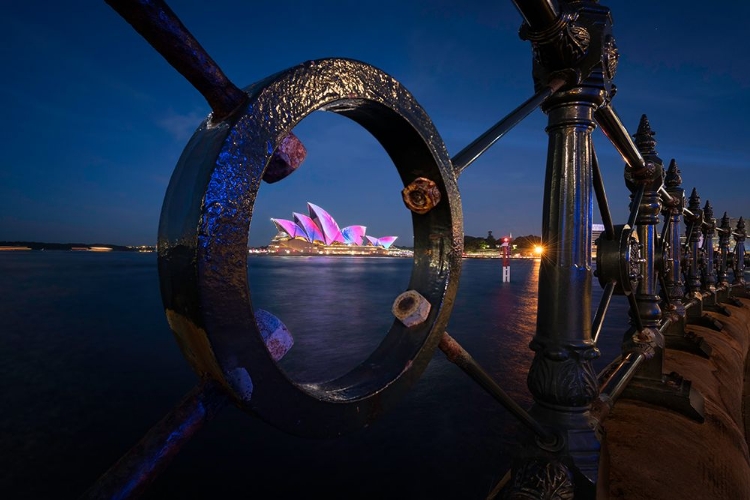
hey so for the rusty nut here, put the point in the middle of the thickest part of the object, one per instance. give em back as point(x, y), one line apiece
point(411, 308)
point(421, 195)
point(285, 159)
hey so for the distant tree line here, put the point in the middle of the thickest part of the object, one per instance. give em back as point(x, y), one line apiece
point(523, 244)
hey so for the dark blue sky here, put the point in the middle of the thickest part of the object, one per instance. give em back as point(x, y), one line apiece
point(96, 119)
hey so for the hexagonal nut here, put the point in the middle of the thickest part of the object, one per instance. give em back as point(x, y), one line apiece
point(275, 334)
point(421, 195)
point(411, 308)
point(285, 159)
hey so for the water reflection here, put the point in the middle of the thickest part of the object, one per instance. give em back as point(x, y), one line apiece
point(338, 309)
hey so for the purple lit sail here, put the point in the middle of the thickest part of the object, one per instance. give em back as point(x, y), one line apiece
point(321, 227)
point(289, 227)
point(325, 222)
point(385, 241)
point(311, 229)
point(353, 235)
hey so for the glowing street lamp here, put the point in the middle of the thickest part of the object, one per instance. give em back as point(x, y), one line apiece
point(538, 250)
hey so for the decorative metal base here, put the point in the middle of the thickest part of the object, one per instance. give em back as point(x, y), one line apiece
point(570, 468)
point(714, 303)
point(719, 308)
point(734, 301)
point(688, 342)
point(673, 392)
point(707, 321)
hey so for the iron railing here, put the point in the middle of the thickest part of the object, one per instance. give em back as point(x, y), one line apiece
point(669, 277)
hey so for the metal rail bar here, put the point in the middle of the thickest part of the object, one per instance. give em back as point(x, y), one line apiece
point(163, 30)
point(601, 311)
point(634, 311)
point(635, 205)
point(601, 197)
point(539, 14)
point(621, 376)
point(613, 128)
point(665, 195)
point(458, 356)
point(467, 155)
point(141, 465)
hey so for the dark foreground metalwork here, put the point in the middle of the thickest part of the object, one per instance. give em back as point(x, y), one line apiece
point(248, 138)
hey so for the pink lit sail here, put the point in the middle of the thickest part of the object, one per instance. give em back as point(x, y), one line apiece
point(312, 231)
point(353, 235)
point(325, 222)
point(320, 227)
point(289, 227)
point(385, 241)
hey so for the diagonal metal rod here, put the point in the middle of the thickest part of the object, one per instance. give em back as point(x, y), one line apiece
point(665, 195)
point(141, 465)
point(662, 281)
point(601, 197)
point(601, 311)
point(634, 311)
point(164, 31)
point(621, 376)
point(635, 206)
point(458, 356)
point(467, 155)
point(538, 14)
point(665, 229)
point(613, 128)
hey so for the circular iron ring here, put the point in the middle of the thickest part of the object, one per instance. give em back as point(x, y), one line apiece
point(203, 235)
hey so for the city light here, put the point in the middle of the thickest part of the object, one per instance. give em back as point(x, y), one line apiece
point(538, 250)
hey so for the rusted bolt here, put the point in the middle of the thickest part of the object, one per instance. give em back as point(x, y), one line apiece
point(275, 334)
point(421, 195)
point(410, 308)
point(285, 159)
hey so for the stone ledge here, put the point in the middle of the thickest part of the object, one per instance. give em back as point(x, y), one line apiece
point(655, 453)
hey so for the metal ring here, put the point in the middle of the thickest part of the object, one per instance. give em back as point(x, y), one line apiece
point(203, 235)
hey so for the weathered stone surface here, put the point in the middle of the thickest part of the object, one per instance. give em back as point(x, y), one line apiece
point(655, 453)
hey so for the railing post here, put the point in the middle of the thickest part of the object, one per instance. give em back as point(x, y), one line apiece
point(740, 234)
point(693, 235)
point(709, 230)
point(725, 235)
point(675, 289)
point(562, 379)
point(648, 217)
point(675, 335)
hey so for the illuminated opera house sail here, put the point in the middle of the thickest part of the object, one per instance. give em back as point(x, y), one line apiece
point(318, 233)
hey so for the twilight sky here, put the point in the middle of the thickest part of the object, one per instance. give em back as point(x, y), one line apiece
point(96, 119)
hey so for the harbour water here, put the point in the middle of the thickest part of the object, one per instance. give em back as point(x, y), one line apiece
point(88, 364)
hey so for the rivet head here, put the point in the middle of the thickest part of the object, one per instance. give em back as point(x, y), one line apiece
point(411, 308)
point(421, 195)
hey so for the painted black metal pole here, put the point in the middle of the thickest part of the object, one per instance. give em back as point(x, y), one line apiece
point(467, 155)
point(601, 197)
point(457, 355)
point(562, 379)
point(164, 31)
point(131, 475)
point(612, 126)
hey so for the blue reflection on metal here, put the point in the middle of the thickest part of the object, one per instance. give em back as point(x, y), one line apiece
point(150, 462)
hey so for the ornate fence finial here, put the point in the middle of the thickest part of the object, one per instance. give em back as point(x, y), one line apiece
point(644, 137)
point(673, 177)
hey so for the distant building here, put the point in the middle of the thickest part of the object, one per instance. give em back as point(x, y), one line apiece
point(318, 233)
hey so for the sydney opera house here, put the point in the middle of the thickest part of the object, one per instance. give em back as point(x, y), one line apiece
point(318, 233)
